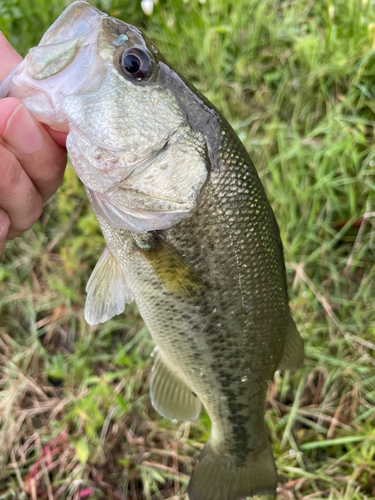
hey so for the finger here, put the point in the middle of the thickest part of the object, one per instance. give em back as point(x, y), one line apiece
point(9, 57)
point(41, 157)
point(59, 137)
point(4, 227)
point(19, 198)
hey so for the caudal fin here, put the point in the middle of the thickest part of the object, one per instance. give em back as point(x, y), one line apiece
point(219, 478)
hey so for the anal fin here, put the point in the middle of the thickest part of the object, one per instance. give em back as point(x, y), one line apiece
point(293, 353)
point(107, 291)
point(170, 396)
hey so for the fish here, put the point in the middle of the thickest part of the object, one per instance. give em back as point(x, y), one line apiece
point(189, 232)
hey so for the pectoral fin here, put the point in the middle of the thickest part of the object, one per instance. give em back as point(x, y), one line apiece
point(170, 396)
point(293, 353)
point(107, 291)
point(172, 269)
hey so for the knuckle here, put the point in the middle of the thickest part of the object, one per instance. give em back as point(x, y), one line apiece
point(50, 177)
point(10, 174)
point(4, 225)
point(32, 215)
point(26, 225)
point(13, 234)
point(61, 159)
point(59, 167)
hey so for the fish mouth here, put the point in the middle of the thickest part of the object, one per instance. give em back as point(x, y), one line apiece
point(76, 20)
point(72, 36)
point(66, 62)
point(73, 58)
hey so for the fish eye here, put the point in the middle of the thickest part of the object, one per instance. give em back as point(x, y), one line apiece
point(136, 63)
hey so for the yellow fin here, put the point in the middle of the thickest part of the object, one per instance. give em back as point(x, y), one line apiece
point(173, 271)
point(170, 396)
point(293, 353)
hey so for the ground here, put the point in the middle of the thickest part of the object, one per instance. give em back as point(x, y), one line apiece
point(296, 81)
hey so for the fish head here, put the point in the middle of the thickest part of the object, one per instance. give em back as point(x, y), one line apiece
point(130, 140)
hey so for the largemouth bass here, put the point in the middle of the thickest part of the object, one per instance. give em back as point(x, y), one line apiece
point(190, 235)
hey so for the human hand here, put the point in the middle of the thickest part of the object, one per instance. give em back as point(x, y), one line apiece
point(32, 159)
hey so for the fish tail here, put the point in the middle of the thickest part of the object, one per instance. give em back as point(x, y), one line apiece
point(218, 477)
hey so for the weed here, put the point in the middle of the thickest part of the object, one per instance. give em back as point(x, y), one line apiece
point(296, 80)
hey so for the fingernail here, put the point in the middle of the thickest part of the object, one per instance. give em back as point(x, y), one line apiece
point(21, 131)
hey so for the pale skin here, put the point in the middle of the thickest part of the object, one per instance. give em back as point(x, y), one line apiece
point(32, 159)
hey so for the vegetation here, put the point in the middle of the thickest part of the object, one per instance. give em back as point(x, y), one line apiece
point(297, 81)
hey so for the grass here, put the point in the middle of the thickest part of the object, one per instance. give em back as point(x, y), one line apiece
point(296, 80)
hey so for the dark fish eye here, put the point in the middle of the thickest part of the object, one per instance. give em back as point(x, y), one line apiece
point(136, 63)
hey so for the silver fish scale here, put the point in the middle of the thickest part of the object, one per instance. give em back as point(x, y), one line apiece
point(234, 244)
point(226, 343)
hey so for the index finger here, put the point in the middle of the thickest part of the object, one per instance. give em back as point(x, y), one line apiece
point(9, 57)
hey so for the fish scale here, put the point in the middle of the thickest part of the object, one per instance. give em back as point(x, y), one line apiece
point(251, 320)
point(190, 235)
